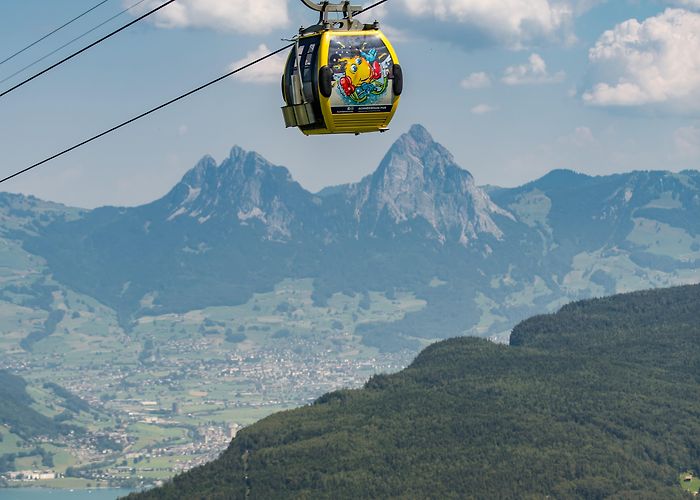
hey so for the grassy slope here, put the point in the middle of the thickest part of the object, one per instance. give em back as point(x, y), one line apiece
point(16, 411)
point(600, 399)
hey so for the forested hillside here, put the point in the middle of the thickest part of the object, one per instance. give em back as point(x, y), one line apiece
point(16, 411)
point(601, 399)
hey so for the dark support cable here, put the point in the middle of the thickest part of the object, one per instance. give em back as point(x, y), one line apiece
point(52, 32)
point(370, 7)
point(65, 59)
point(73, 40)
point(171, 101)
point(168, 103)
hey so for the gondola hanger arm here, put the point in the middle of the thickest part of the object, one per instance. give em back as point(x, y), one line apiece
point(343, 7)
point(324, 8)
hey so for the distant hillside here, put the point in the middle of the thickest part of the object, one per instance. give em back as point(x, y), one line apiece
point(16, 411)
point(21, 214)
point(600, 399)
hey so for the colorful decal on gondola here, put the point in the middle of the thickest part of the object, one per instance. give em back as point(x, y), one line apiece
point(361, 67)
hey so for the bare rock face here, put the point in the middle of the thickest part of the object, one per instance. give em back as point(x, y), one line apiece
point(419, 179)
point(244, 189)
point(417, 187)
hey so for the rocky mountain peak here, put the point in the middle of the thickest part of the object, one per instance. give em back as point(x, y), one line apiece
point(420, 134)
point(414, 153)
point(249, 165)
point(245, 188)
point(417, 186)
point(196, 175)
point(419, 179)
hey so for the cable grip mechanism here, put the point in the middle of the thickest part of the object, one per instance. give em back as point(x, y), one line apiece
point(324, 23)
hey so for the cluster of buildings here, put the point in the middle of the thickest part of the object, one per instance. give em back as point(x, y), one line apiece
point(31, 475)
point(181, 387)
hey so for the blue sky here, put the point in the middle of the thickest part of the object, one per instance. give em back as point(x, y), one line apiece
point(514, 88)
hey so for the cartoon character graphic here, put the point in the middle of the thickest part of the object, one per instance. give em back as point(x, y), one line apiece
point(363, 77)
point(363, 69)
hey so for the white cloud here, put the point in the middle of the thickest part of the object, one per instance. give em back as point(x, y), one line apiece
point(512, 23)
point(242, 16)
point(687, 141)
point(476, 81)
point(267, 71)
point(482, 109)
point(656, 61)
point(533, 72)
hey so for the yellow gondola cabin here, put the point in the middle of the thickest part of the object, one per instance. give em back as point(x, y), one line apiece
point(350, 80)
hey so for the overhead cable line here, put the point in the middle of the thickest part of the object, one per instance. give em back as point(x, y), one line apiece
point(165, 104)
point(153, 110)
point(377, 4)
point(87, 47)
point(52, 32)
point(71, 42)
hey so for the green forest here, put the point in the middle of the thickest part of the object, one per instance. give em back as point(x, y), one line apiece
point(598, 400)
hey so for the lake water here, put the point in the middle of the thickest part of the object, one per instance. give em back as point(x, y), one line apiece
point(51, 494)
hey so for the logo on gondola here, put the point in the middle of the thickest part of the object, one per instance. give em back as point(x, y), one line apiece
point(363, 77)
point(361, 68)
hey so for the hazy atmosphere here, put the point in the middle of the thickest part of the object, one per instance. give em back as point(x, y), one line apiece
point(454, 254)
point(513, 89)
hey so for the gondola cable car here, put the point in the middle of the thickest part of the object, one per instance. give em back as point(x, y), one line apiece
point(341, 76)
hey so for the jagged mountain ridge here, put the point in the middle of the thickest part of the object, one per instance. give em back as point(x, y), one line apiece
point(246, 188)
point(417, 179)
point(226, 231)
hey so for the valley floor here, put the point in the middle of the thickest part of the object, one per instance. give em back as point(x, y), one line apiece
point(171, 394)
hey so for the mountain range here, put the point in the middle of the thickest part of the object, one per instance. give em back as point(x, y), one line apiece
point(480, 258)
